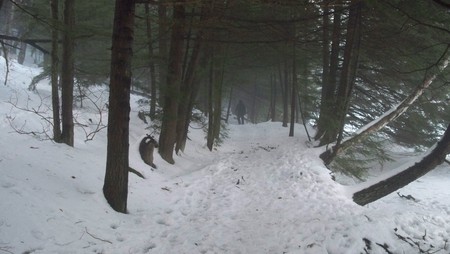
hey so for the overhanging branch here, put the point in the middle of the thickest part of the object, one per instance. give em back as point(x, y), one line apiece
point(32, 42)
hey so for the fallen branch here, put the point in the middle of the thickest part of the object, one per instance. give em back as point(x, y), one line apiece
point(417, 244)
point(385, 247)
point(409, 197)
point(93, 236)
point(132, 170)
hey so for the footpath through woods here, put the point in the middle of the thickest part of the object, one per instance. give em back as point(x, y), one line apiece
point(265, 192)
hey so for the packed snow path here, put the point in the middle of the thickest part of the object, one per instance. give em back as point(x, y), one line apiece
point(254, 197)
point(264, 193)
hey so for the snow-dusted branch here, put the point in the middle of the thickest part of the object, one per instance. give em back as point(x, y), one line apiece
point(395, 112)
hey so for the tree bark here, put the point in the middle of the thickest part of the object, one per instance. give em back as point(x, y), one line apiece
point(273, 98)
point(168, 134)
point(325, 122)
point(67, 73)
point(349, 66)
point(429, 162)
point(347, 79)
point(115, 186)
point(325, 70)
point(210, 134)
point(55, 72)
point(230, 99)
point(151, 63)
point(163, 41)
point(188, 94)
point(22, 53)
point(294, 91)
point(285, 85)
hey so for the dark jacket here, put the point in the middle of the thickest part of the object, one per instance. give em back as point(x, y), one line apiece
point(240, 109)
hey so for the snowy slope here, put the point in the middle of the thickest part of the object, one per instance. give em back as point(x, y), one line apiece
point(260, 192)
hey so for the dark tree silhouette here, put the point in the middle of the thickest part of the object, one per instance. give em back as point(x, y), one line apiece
point(115, 187)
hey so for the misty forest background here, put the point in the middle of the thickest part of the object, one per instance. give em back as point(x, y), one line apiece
point(335, 66)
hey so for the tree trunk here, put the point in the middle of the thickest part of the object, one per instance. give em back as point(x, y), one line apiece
point(210, 134)
point(67, 73)
point(325, 122)
point(151, 63)
point(167, 138)
point(284, 84)
point(188, 94)
point(400, 109)
point(347, 79)
point(230, 99)
point(419, 169)
point(218, 98)
point(115, 187)
point(350, 64)
point(163, 41)
point(22, 53)
point(325, 70)
point(215, 93)
point(273, 96)
point(294, 91)
point(55, 72)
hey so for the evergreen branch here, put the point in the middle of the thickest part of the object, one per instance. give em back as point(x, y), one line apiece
point(409, 16)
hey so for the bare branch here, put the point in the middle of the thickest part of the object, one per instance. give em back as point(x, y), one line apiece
point(32, 42)
point(93, 236)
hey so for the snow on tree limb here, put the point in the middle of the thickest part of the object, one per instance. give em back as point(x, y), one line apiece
point(395, 112)
point(391, 183)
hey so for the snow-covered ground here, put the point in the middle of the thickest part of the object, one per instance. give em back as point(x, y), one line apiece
point(260, 192)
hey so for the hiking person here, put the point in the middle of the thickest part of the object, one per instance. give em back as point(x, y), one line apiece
point(240, 112)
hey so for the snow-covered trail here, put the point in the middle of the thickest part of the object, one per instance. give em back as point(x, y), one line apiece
point(260, 195)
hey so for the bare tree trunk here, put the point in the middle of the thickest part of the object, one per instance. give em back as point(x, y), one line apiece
point(215, 93)
point(254, 112)
point(22, 53)
point(67, 73)
point(229, 104)
point(286, 94)
point(325, 70)
point(55, 72)
point(294, 91)
point(210, 133)
point(273, 98)
point(188, 94)
point(115, 187)
point(347, 79)
point(429, 162)
point(167, 138)
point(326, 122)
point(151, 63)
point(163, 41)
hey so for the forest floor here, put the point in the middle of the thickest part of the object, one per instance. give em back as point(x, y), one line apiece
point(260, 191)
